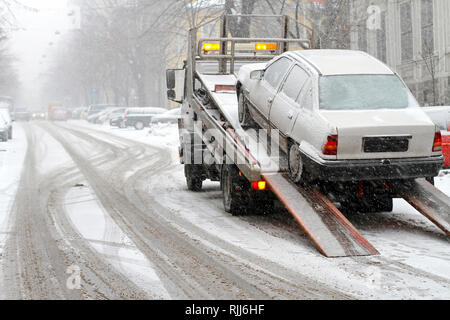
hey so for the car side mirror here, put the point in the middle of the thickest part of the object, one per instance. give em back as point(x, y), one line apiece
point(257, 75)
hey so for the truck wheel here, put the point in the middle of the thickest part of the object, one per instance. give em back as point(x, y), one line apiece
point(232, 201)
point(139, 125)
point(244, 114)
point(193, 180)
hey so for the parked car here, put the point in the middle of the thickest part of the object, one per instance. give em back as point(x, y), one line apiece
point(139, 118)
point(22, 114)
point(95, 110)
point(171, 116)
point(4, 129)
point(342, 116)
point(7, 118)
point(78, 113)
point(105, 116)
point(117, 118)
point(441, 117)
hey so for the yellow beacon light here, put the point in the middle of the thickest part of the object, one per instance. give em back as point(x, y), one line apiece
point(266, 46)
point(211, 46)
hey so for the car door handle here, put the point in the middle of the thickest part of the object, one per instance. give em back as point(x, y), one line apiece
point(290, 115)
point(270, 100)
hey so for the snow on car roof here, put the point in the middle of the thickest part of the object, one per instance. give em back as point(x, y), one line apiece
point(341, 62)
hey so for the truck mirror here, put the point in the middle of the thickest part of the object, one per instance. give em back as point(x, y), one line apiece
point(256, 75)
point(170, 77)
point(171, 94)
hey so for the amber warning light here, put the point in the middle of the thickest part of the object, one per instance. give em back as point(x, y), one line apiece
point(211, 47)
point(266, 46)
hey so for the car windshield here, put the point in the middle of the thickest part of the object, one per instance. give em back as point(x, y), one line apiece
point(364, 92)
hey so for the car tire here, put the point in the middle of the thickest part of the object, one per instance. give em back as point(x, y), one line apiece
point(295, 163)
point(233, 202)
point(139, 125)
point(244, 113)
point(10, 134)
point(193, 180)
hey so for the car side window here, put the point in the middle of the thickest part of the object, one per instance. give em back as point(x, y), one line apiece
point(305, 99)
point(274, 73)
point(295, 82)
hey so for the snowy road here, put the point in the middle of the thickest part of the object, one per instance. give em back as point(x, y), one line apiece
point(111, 206)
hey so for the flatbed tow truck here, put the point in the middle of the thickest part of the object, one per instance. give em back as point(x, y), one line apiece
point(253, 174)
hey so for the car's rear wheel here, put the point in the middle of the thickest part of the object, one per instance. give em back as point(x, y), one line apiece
point(296, 166)
point(139, 125)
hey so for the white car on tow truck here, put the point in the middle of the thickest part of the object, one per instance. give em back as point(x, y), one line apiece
point(343, 116)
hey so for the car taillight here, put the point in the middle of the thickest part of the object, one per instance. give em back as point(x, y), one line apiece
point(437, 145)
point(331, 146)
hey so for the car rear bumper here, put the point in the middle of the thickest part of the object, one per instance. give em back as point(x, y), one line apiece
point(380, 169)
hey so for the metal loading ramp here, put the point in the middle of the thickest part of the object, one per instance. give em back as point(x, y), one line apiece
point(428, 200)
point(333, 235)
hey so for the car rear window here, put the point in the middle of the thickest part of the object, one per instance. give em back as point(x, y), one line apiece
point(364, 92)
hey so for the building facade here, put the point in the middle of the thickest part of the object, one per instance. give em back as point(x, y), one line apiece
point(412, 37)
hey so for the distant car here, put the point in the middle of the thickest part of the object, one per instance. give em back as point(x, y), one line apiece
point(4, 129)
point(171, 116)
point(22, 114)
point(58, 114)
point(441, 117)
point(117, 118)
point(139, 118)
point(8, 120)
point(38, 116)
point(78, 113)
point(94, 111)
point(105, 116)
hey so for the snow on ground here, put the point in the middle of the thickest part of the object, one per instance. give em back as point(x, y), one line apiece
point(415, 254)
point(409, 244)
point(12, 155)
point(105, 236)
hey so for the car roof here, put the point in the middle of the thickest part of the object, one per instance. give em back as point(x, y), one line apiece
point(341, 62)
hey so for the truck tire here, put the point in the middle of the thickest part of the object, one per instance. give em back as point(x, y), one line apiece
point(233, 202)
point(193, 180)
point(139, 125)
